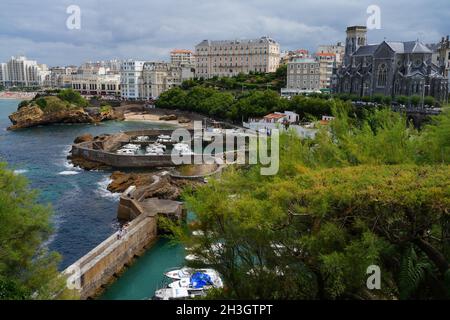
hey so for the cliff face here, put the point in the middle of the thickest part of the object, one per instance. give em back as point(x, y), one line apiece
point(31, 116)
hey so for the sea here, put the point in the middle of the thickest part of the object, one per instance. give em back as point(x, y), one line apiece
point(84, 210)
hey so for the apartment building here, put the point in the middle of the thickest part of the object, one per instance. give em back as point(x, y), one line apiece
point(226, 58)
point(154, 79)
point(130, 79)
point(3, 74)
point(337, 49)
point(294, 54)
point(158, 77)
point(182, 57)
point(19, 71)
point(327, 62)
point(303, 76)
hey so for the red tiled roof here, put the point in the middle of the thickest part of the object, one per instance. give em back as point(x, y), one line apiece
point(325, 54)
point(274, 116)
point(180, 51)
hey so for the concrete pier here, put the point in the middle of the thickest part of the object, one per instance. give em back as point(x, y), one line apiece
point(97, 268)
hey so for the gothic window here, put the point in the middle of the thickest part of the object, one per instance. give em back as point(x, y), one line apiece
point(382, 75)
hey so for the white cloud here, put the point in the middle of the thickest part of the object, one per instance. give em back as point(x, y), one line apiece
point(148, 29)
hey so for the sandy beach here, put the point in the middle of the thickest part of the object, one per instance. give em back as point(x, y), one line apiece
point(17, 95)
point(135, 116)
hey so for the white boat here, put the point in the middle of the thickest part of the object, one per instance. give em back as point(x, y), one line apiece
point(126, 152)
point(185, 272)
point(199, 280)
point(131, 146)
point(142, 138)
point(172, 294)
point(164, 139)
point(179, 274)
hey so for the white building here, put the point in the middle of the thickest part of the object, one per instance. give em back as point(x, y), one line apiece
point(130, 79)
point(3, 74)
point(226, 58)
point(182, 57)
point(158, 77)
point(154, 79)
point(61, 77)
point(23, 72)
point(96, 84)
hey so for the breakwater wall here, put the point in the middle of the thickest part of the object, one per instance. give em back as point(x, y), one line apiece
point(90, 274)
point(97, 268)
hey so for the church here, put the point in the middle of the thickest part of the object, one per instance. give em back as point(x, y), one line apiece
point(388, 68)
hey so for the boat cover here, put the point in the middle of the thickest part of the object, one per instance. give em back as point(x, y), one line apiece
point(200, 279)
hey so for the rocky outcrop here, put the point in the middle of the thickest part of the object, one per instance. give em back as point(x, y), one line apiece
point(32, 115)
point(121, 181)
point(163, 188)
point(169, 117)
point(87, 164)
point(83, 138)
point(183, 120)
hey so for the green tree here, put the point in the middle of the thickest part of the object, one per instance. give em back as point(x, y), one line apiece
point(73, 97)
point(359, 194)
point(27, 269)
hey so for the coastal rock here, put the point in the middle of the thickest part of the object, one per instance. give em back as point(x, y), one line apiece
point(184, 120)
point(164, 187)
point(121, 181)
point(31, 116)
point(86, 164)
point(83, 138)
point(169, 117)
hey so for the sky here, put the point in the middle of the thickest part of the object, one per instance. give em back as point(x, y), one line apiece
point(150, 29)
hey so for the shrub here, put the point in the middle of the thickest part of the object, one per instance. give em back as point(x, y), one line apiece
point(378, 98)
point(429, 101)
point(387, 100)
point(415, 100)
point(402, 99)
point(72, 96)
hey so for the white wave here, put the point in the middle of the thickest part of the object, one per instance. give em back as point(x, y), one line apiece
point(68, 173)
point(20, 171)
point(103, 191)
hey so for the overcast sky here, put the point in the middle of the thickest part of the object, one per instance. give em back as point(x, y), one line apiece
point(149, 29)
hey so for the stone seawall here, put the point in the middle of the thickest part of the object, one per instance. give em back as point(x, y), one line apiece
point(99, 266)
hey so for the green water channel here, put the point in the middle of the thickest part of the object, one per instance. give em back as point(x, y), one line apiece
point(140, 281)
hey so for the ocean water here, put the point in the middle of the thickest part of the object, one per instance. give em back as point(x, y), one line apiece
point(85, 212)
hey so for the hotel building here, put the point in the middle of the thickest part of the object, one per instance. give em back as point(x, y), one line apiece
point(226, 58)
point(182, 57)
point(19, 71)
point(130, 77)
point(96, 84)
point(303, 76)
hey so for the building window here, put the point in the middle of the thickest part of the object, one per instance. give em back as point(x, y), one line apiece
point(382, 75)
